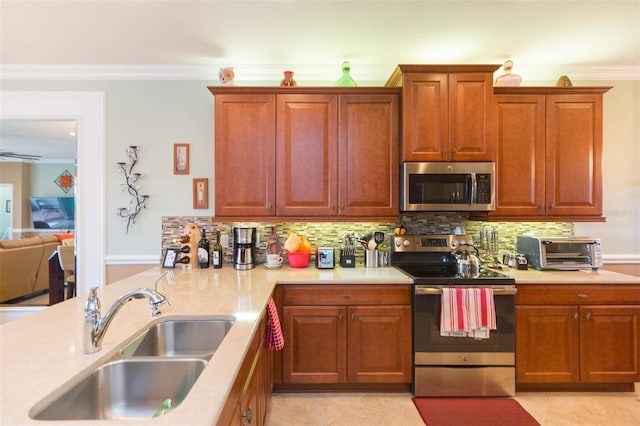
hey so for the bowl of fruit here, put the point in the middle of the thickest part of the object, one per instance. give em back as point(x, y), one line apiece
point(298, 251)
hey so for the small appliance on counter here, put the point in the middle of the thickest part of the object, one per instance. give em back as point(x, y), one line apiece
point(325, 258)
point(563, 253)
point(244, 243)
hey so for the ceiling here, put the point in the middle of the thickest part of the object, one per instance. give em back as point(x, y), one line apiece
point(595, 39)
point(181, 39)
point(53, 140)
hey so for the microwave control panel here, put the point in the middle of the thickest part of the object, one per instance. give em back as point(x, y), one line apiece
point(484, 188)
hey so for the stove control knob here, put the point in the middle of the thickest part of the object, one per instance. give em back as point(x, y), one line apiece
point(454, 243)
point(398, 243)
point(405, 243)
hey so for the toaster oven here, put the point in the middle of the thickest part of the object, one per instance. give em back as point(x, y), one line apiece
point(568, 253)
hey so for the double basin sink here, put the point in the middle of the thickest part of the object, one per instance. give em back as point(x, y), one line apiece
point(162, 362)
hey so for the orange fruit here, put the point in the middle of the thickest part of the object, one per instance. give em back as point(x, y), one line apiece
point(305, 245)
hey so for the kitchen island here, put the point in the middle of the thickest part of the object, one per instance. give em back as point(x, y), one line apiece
point(41, 354)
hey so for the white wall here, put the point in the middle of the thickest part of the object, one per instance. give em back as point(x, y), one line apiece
point(621, 169)
point(157, 114)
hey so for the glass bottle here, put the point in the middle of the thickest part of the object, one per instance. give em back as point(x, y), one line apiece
point(216, 257)
point(203, 251)
point(288, 80)
point(346, 80)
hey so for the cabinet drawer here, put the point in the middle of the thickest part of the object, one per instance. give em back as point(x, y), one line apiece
point(330, 294)
point(546, 294)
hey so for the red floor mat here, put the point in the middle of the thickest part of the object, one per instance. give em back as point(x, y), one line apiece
point(473, 412)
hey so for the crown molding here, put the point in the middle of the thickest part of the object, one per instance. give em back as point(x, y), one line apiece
point(270, 74)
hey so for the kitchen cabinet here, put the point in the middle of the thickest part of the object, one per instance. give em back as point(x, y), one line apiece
point(307, 152)
point(250, 395)
point(577, 335)
point(345, 337)
point(549, 154)
point(447, 112)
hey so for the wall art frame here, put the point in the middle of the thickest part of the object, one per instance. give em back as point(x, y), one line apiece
point(180, 158)
point(200, 193)
point(170, 257)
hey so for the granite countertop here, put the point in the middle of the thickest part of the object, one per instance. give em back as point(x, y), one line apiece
point(42, 352)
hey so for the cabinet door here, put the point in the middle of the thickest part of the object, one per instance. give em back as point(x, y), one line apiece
point(471, 117)
point(315, 349)
point(609, 339)
point(547, 345)
point(307, 155)
point(245, 155)
point(425, 125)
point(379, 342)
point(368, 155)
point(574, 155)
point(520, 159)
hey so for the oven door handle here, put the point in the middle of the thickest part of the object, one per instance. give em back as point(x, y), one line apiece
point(497, 291)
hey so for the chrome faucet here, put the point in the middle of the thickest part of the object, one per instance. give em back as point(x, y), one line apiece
point(95, 327)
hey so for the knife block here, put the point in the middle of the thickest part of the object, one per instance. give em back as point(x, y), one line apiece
point(347, 260)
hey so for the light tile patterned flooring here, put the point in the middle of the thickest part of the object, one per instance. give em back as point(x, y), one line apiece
point(383, 409)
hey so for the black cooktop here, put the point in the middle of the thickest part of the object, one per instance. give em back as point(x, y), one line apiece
point(445, 274)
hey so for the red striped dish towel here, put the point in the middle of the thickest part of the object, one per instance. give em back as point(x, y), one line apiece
point(275, 339)
point(467, 312)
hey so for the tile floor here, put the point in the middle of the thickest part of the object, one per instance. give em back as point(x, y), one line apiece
point(382, 409)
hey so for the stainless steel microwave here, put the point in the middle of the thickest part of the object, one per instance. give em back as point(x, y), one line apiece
point(447, 186)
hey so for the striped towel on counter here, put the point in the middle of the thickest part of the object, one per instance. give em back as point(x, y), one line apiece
point(467, 312)
point(275, 339)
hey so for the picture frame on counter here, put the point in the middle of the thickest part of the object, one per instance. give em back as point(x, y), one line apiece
point(170, 257)
point(201, 193)
point(181, 159)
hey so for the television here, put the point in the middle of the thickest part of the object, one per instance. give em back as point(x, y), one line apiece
point(53, 212)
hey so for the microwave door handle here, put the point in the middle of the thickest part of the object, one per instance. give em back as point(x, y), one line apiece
point(471, 181)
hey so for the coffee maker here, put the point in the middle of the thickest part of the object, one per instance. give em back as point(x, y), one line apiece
point(244, 242)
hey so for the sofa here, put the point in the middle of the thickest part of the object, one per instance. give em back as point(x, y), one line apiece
point(24, 266)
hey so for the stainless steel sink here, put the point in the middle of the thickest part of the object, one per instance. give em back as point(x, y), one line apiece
point(179, 338)
point(126, 389)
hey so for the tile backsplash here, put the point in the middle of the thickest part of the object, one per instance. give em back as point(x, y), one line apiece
point(330, 234)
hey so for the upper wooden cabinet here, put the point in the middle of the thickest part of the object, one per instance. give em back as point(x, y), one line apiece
point(307, 152)
point(447, 112)
point(549, 154)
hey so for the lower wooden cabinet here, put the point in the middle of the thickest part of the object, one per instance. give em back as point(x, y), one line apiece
point(351, 334)
point(250, 396)
point(571, 334)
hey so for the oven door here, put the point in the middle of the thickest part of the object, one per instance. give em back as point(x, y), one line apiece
point(430, 348)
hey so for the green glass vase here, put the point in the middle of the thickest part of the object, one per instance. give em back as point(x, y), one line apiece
point(346, 80)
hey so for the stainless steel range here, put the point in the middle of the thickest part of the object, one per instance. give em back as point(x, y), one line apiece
point(456, 366)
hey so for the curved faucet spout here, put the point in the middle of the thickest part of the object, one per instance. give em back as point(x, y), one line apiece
point(96, 327)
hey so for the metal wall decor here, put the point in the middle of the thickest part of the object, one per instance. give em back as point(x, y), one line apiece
point(65, 181)
point(138, 199)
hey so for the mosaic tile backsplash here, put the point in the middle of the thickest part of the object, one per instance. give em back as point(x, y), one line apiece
point(330, 234)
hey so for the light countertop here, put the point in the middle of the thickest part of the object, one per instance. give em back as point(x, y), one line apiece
point(42, 352)
point(584, 276)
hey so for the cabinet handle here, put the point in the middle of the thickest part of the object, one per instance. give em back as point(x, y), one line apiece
point(248, 415)
point(353, 317)
point(346, 295)
point(588, 316)
point(455, 151)
point(553, 206)
point(576, 316)
point(340, 317)
point(582, 295)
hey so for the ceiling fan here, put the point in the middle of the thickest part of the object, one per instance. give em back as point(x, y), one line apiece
point(15, 155)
